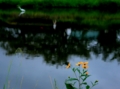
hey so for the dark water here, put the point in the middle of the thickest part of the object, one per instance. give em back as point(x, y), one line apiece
point(45, 50)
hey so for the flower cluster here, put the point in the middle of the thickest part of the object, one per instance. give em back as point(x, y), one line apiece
point(83, 64)
point(81, 79)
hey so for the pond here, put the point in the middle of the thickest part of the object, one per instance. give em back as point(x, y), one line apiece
point(34, 48)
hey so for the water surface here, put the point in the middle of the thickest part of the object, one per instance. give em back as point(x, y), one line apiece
point(45, 50)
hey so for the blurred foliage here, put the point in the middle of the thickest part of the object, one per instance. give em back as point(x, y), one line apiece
point(54, 45)
point(104, 5)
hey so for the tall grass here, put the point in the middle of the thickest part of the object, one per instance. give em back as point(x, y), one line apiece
point(7, 82)
point(58, 2)
point(68, 1)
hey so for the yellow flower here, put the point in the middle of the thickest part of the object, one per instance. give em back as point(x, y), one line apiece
point(79, 63)
point(84, 66)
point(85, 63)
point(68, 66)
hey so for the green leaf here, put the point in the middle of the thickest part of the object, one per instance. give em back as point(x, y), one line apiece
point(83, 74)
point(87, 87)
point(92, 83)
point(84, 71)
point(96, 81)
point(69, 86)
point(78, 71)
point(73, 69)
point(84, 78)
point(4, 87)
point(81, 77)
point(85, 83)
point(74, 83)
point(55, 84)
point(88, 75)
point(72, 79)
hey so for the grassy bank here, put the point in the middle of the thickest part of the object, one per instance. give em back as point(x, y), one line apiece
point(93, 18)
point(81, 4)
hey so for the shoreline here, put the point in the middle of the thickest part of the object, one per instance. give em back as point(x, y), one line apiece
point(89, 19)
point(109, 6)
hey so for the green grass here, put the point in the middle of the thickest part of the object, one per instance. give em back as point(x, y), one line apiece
point(92, 2)
point(92, 18)
point(54, 3)
point(6, 82)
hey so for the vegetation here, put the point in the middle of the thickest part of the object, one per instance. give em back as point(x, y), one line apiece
point(81, 76)
point(7, 84)
point(90, 18)
point(83, 15)
point(36, 4)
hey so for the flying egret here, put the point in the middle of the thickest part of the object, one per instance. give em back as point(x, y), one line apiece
point(22, 10)
point(54, 24)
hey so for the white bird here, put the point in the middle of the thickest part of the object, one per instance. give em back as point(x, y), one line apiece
point(21, 13)
point(54, 24)
point(22, 10)
point(68, 32)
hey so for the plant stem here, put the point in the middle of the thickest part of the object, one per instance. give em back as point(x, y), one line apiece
point(79, 80)
point(51, 82)
point(21, 83)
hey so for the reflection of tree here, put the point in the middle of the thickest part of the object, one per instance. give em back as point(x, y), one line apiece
point(108, 44)
point(54, 45)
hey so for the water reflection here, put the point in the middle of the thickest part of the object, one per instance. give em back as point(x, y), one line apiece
point(68, 32)
point(55, 46)
point(21, 13)
point(54, 24)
